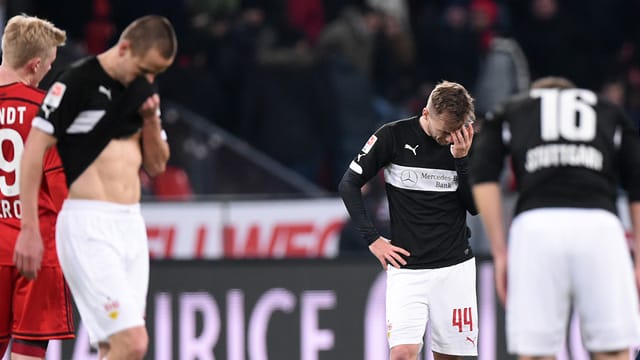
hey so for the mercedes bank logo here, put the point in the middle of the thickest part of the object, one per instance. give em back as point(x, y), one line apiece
point(409, 178)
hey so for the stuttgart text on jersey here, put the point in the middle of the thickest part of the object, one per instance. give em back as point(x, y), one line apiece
point(569, 115)
point(555, 155)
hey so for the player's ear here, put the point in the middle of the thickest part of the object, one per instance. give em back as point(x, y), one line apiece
point(34, 64)
point(123, 47)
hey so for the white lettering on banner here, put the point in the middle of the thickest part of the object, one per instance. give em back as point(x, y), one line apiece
point(198, 346)
point(201, 324)
point(200, 308)
point(273, 300)
point(163, 327)
point(313, 338)
point(235, 325)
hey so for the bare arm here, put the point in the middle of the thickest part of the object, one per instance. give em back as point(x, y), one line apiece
point(27, 254)
point(155, 150)
point(634, 208)
point(488, 200)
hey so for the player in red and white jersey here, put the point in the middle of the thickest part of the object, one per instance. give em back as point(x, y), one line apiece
point(32, 312)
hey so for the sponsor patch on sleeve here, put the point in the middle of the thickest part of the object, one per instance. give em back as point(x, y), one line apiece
point(55, 94)
point(372, 140)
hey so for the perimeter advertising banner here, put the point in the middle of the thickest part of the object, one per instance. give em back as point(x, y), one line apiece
point(306, 228)
point(284, 310)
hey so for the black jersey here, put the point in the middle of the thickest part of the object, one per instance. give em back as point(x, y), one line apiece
point(569, 148)
point(427, 190)
point(85, 108)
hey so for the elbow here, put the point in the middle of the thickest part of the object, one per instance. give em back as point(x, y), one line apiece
point(155, 169)
point(345, 187)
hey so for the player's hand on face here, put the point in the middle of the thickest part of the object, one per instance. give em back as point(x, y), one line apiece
point(27, 254)
point(462, 140)
point(150, 108)
point(387, 253)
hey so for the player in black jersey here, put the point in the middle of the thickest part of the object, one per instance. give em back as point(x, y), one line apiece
point(103, 115)
point(432, 277)
point(567, 250)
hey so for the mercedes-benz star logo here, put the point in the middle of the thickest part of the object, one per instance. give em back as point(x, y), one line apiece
point(409, 178)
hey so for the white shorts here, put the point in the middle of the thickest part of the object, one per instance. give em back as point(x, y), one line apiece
point(104, 255)
point(446, 297)
point(570, 259)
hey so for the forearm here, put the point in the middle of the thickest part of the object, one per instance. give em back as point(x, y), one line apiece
point(155, 150)
point(488, 199)
point(464, 185)
point(31, 177)
point(350, 191)
point(634, 211)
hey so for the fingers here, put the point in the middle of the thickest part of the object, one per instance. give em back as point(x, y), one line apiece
point(401, 250)
point(382, 262)
point(471, 132)
point(27, 266)
point(389, 254)
point(394, 256)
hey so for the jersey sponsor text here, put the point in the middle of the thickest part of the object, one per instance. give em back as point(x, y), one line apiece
point(423, 179)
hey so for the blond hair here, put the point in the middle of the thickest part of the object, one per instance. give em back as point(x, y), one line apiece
point(151, 31)
point(27, 37)
point(452, 100)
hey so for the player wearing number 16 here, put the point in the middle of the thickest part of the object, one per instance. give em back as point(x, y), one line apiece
point(567, 250)
point(31, 311)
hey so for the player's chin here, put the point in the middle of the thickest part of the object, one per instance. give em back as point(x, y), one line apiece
point(444, 141)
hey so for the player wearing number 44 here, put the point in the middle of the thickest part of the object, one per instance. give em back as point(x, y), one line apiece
point(567, 249)
point(31, 312)
point(431, 270)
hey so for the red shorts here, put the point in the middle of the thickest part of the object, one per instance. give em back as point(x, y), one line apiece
point(35, 309)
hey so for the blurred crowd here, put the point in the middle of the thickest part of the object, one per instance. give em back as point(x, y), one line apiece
point(307, 81)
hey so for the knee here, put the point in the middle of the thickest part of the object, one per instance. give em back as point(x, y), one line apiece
point(138, 346)
point(131, 343)
point(404, 352)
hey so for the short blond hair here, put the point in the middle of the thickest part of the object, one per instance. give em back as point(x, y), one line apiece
point(453, 100)
point(27, 37)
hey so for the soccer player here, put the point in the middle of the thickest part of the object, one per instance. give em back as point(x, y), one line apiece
point(104, 117)
point(433, 273)
point(31, 312)
point(567, 250)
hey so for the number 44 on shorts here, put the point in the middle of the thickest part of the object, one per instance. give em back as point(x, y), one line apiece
point(463, 318)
